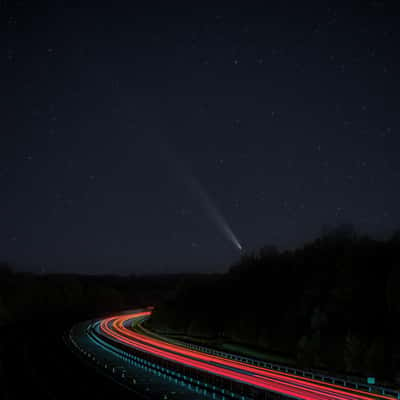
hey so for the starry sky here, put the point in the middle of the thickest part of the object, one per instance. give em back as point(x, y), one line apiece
point(286, 115)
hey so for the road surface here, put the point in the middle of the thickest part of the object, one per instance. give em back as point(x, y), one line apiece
point(120, 331)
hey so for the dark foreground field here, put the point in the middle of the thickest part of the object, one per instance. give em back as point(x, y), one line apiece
point(35, 363)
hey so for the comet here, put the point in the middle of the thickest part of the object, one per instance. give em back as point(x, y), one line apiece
point(201, 194)
point(211, 210)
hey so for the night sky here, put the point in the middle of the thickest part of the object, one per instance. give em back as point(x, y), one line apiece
point(285, 116)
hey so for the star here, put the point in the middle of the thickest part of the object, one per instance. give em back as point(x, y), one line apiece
point(10, 55)
point(339, 210)
point(184, 212)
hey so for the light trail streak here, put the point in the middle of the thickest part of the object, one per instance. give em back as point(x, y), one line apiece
point(118, 324)
point(208, 368)
point(284, 383)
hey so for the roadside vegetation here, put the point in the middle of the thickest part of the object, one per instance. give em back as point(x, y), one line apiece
point(333, 304)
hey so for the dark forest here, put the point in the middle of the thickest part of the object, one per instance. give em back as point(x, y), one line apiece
point(331, 304)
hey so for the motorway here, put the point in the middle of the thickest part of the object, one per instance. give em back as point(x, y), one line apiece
point(120, 331)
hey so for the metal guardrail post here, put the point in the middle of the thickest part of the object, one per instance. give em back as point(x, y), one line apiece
point(310, 373)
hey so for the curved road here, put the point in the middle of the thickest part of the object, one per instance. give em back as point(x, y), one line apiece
point(118, 329)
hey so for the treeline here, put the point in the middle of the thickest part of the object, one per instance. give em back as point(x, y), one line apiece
point(25, 296)
point(333, 304)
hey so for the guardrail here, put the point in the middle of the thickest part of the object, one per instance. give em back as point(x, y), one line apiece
point(344, 381)
point(313, 374)
point(118, 372)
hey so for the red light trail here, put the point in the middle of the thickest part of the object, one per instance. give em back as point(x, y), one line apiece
point(263, 378)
